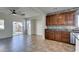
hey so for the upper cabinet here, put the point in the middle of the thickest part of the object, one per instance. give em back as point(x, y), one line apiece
point(47, 20)
point(60, 19)
point(69, 18)
point(53, 20)
point(66, 18)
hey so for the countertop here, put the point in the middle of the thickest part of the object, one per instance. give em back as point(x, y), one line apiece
point(76, 35)
point(60, 30)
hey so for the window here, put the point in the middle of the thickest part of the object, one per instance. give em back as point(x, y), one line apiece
point(1, 24)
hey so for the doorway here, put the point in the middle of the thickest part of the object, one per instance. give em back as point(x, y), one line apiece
point(17, 28)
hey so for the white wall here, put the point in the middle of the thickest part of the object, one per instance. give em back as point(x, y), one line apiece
point(27, 27)
point(32, 29)
point(8, 19)
point(76, 18)
point(40, 25)
point(7, 22)
point(33, 26)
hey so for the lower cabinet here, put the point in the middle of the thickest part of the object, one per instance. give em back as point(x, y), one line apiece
point(49, 34)
point(65, 37)
point(62, 36)
point(57, 35)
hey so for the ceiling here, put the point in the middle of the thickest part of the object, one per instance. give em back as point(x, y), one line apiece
point(53, 9)
point(33, 11)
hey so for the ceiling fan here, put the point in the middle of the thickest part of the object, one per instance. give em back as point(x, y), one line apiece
point(13, 12)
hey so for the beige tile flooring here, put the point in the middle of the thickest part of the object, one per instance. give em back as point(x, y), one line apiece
point(41, 45)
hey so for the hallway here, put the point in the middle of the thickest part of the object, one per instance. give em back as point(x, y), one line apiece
point(24, 43)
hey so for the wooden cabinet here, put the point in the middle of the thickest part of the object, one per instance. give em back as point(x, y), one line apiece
point(52, 20)
point(61, 19)
point(65, 36)
point(66, 18)
point(49, 34)
point(61, 36)
point(46, 34)
point(47, 20)
point(57, 35)
point(69, 18)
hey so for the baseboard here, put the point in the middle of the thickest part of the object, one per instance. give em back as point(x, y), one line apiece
point(39, 36)
point(33, 34)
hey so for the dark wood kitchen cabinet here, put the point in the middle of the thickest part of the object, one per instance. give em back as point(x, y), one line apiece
point(47, 20)
point(52, 20)
point(69, 18)
point(61, 19)
point(65, 36)
point(46, 34)
point(49, 34)
point(57, 35)
point(61, 36)
point(66, 18)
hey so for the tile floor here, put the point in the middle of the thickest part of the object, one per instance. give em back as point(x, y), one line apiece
point(24, 43)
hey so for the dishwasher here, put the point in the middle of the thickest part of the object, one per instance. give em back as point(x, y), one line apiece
point(75, 37)
point(72, 38)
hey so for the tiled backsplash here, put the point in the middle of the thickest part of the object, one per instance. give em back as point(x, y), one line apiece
point(61, 27)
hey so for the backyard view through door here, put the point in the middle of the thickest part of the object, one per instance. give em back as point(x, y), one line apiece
point(17, 28)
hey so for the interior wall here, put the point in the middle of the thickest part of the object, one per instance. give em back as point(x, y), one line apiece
point(40, 25)
point(27, 27)
point(7, 32)
point(8, 19)
point(30, 30)
point(76, 18)
point(33, 26)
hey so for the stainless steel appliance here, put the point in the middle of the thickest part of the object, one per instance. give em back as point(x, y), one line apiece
point(72, 38)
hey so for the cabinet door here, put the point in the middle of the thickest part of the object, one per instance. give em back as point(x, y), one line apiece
point(47, 20)
point(57, 35)
point(61, 19)
point(72, 18)
point(55, 19)
point(49, 34)
point(65, 37)
point(69, 18)
point(51, 19)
